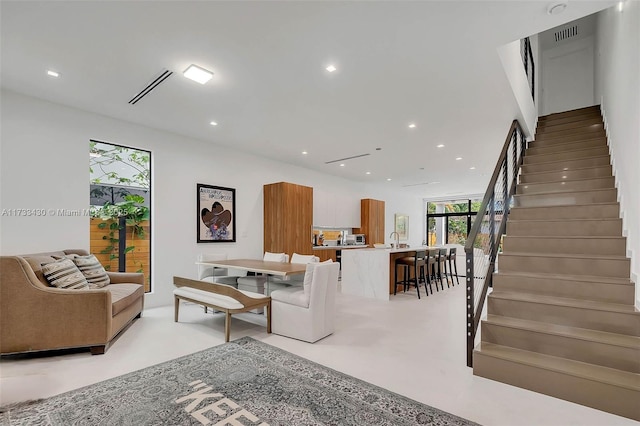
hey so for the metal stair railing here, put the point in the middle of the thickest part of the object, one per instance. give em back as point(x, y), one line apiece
point(488, 227)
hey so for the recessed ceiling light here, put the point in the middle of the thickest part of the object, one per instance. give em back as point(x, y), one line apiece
point(458, 158)
point(53, 73)
point(389, 179)
point(213, 123)
point(556, 8)
point(412, 126)
point(441, 146)
point(341, 164)
point(620, 6)
point(331, 68)
point(197, 74)
point(472, 168)
point(368, 173)
point(304, 152)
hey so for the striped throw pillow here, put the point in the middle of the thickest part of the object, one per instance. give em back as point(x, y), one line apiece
point(64, 274)
point(92, 270)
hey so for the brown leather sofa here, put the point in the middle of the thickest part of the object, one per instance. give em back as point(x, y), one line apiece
point(37, 317)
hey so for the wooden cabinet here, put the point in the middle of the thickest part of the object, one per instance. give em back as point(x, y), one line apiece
point(325, 254)
point(335, 210)
point(372, 221)
point(288, 215)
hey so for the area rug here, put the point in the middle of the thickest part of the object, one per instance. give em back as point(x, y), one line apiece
point(244, 382)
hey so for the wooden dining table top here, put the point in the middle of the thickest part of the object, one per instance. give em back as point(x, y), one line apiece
point(279, 269)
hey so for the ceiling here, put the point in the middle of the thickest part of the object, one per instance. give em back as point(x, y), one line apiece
point(431, 63)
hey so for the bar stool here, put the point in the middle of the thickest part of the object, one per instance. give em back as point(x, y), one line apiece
point(442, 267)
point(452, 258)
point(432, 261)
point(416, 262)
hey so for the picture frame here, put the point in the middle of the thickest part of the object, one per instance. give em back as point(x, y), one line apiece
point(401, 226)
point(216, 214)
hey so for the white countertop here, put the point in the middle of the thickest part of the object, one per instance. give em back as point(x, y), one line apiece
point(339, 247)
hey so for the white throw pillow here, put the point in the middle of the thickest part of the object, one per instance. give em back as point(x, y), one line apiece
point(303, 259)
point(274, 257)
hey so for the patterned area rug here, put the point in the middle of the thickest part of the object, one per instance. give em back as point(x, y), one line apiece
point(244, 382)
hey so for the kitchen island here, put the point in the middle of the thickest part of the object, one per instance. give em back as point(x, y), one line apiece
point(370, 272)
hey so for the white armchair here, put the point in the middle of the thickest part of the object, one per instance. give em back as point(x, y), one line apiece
point(307, 313)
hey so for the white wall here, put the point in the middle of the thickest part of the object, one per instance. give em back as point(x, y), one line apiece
point(511, 59)
point(618, 90)
point(567, 73)
point(44, 165)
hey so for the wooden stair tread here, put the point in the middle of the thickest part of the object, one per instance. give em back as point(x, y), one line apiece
point(578, 206)
point(568, 237)
point(609, 219)
point(569, 277)
point(604, 337)
point(565, 255)
point(563, 161)
point(565, 192)
point(564, 152)
point(584, 370)
point(563, 301)
point(533, 143)
point(549, 182)
point(570, 170)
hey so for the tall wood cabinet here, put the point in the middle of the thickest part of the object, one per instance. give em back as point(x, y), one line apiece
point(288, 217)
point(372, 220)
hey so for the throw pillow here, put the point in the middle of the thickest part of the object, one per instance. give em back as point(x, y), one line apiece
point(92, 270)
point(64, 274)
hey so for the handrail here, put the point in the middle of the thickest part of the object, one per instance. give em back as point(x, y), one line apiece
point(488, 227)
point(527, 60)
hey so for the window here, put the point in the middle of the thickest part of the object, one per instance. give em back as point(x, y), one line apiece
point(120, 198)
point(449, 222)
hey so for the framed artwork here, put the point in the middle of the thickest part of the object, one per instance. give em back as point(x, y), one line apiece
point(402, 226)
point(216, 208)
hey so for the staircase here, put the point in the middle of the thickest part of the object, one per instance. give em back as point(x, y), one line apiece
point(561, 318)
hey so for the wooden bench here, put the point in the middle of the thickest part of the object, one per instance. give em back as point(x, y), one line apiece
point(220, 297)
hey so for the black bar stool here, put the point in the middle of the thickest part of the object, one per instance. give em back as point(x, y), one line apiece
point(451, 258)
point(416, 262)
point(442, 267)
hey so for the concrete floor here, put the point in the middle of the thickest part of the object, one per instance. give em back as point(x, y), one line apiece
point(412, 347)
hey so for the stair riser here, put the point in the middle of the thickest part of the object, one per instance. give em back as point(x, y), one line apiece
point(567, 155)
point(565, 147)
point(576, 114)
point(604, 211)
point(552, 126)
point(551, 120)
point(587, 133)
point(565, 198)
point(558, 166)
point(603, 246)
point(602, 396)
point(619, 268)
point(592, 319)
point(584, 290)
point(619, 357)
point(591, 173)
point(566, 185)
point(559, 140)
point(599, 228)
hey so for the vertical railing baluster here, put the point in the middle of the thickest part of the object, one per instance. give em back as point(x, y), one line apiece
point(471, 327)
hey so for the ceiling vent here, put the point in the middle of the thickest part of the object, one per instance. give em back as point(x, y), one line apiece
point(346, 158)
point(566, 33)
point(164, 74)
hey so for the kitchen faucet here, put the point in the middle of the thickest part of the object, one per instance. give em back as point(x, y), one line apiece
point(397, 245)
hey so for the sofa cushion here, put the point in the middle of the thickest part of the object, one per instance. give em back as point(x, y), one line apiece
point(123, 295)
point(92, 270)
point(64, 274)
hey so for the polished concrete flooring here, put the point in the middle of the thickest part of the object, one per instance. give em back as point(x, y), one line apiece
point(412, 347)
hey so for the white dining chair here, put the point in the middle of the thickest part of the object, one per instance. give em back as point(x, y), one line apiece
point(307, 313)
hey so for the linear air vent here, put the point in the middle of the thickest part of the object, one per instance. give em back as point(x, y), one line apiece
point(419, 184)
point(566, 33)
point(154, 83)
point(346, 158)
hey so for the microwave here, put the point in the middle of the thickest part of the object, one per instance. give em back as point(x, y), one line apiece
point(359, 239)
